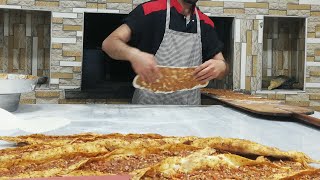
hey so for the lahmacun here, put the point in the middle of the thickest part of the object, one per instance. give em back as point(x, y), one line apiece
point(172, 79)
point(150, 156)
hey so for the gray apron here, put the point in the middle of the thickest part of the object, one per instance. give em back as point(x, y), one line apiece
point(177, 49)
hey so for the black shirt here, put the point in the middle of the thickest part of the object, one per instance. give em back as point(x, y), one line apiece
point(147, 23)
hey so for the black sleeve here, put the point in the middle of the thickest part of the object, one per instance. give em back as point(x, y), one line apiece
point(211, 45)
point(135, 21)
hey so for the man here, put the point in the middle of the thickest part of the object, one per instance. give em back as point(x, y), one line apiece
point(168, 33)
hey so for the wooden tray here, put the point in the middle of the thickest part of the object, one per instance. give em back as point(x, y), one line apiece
point(261, 106)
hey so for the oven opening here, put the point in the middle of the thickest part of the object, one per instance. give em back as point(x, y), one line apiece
point(283, 65)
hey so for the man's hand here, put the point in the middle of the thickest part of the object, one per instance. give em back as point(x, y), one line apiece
point(145, 65)
point(211, 69)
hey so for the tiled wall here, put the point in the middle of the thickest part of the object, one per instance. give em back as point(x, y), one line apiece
point(66, 42)
point(24, 36)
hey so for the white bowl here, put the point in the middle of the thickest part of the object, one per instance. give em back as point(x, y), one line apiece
point(11, 87)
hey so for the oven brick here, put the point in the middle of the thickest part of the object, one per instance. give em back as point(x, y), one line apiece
point(77, 69)
point(76, 21)
point(19, 2)
point(254, 65)
point(249, 66)
point(298, 12)
point(272, 96)
point(47, 101)
point(315, 96)
point(311, 35)
point(310, 58)
point(274, 4)
point(72, 53)
point(248, 83)
point(102, 6)
point(72, 4)
point(314, 73)
point(311, 49)
point(256, 5)
point(235, 5)
point(72, 28)
point(278, 12)
point(27, 101)
point(249, 43)
point(299, 7)
point(280, 96)
point(57, 20)
point(47, 3)
point(72, 47)
point(92, 5)
point(255, 44)
point(123, 7)
point(233, 11)
point(72, 101)
point(308, 79)
point(211, 4)
point(255, 11)
point(317, 52)
point(70, 82)
point(297, 97)
point(298, 103)
point(119, 1)
point(213, 10)
point(78, 58)
point(28, 95)
point(62, 75)
point(312, 26)
point(47, 94)
point(61, 69)
point(56, 45)
point(256, 24)
point(315, 13)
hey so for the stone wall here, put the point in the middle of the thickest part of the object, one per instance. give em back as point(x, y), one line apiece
point(26, 36)
point(66, 41)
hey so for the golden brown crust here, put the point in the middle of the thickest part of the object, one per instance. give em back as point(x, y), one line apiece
point(245, 147)
point(150, 156)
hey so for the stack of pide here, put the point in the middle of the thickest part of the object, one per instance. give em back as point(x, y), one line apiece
point(150, 156)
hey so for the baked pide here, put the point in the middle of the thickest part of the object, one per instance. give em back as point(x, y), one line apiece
point(150, 156)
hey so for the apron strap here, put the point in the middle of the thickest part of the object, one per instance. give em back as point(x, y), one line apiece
point(168, 14)
point(168, 18)
point(198, 22)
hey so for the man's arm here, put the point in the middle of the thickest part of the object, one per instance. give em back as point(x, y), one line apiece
point(144, 64)
point(115, 45)
point(219, 56)
point(215, 68)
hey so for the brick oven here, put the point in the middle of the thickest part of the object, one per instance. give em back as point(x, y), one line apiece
point(267, 38)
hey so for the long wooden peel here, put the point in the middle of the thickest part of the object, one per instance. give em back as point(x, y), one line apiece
point(268, 107)
point(300, 115)
point(307, 119)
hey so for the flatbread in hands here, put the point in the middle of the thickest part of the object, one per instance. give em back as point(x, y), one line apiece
point(172, 79)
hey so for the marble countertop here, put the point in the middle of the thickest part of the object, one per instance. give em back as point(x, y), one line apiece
point(203, 121)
